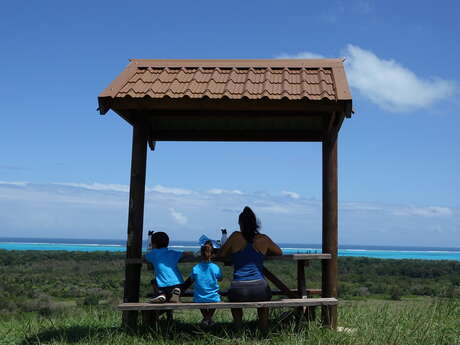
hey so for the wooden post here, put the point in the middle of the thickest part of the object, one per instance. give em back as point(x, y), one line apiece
point(330, 225)
point(301, 286)
point(135, 223)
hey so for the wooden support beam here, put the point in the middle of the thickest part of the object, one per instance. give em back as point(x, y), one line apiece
point(278, 283)
point(135, 223)
point(236, 135)
point(187, 104)
point(152, 144)
point(330, 227)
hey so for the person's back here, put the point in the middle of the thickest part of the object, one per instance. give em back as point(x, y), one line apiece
point(206, 276)
point(167, 275)
point(248, 263)
point(247, 249)
point(164, 261)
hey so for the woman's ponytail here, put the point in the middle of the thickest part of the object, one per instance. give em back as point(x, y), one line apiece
point(249, 224)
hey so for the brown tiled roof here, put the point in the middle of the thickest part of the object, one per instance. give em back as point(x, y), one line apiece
point(292, 79)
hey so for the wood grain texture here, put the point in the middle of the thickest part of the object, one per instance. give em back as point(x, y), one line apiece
point(330, 227)
point(292, 292)
point(135, 222)
point(228, 305)
point(288, 257)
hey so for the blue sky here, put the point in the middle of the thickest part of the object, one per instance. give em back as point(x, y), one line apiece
point(64, 169)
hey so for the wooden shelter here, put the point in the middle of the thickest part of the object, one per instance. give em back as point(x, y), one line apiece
point(231, 100)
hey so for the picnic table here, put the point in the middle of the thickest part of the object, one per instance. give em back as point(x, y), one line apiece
point(301, 298)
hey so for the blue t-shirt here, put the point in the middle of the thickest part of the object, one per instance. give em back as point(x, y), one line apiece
point(165, 261)
point(205, 275)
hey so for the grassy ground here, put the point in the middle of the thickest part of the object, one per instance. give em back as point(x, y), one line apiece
point(412, 321)
point(69, 298)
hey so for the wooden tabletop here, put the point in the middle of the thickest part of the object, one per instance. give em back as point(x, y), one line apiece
point(292, 257)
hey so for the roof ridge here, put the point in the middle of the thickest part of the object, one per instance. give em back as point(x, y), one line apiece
point(238, 63)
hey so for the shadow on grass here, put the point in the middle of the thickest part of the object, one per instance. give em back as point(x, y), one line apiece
point(70, 334)
point(174, 331)
point(194, 331)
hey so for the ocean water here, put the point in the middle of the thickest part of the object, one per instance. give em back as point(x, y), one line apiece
point(383, 252)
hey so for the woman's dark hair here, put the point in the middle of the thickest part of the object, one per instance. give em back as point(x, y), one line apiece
point(249, 224)
point(160, 240)
point(206, 251)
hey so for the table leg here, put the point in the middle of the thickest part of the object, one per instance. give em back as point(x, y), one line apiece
point(149, 318)
point(301, 286)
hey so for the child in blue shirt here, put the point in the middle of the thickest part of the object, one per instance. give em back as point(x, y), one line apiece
point(206, 276)
point(168, 278)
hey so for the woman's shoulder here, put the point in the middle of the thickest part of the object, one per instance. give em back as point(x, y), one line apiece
point(261, 237)
point(235, 235)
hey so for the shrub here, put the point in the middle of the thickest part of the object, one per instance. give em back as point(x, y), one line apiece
point(395, 293)
point(363, 291)
point(91, 300)
point(451, 292)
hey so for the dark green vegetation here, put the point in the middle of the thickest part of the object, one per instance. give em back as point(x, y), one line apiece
point(69, 298)
point(45, 281)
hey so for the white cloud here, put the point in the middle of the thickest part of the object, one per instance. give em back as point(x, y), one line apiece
point(302, 55)
point(388, 83)
point(358, 206)
point(292, 195)
point(15, 183)
point(275, 208)
point(224, 191)
point(97, 186)
point(124, 188)
point(178, 217)
point(391, 85)
point(430, 211)
point(169, 190)
point(89, 211)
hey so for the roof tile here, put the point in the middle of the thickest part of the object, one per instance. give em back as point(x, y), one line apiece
point(197, 79)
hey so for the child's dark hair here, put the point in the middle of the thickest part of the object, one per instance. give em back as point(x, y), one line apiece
point(160, 240)
point(249, 224)
point(206, 251)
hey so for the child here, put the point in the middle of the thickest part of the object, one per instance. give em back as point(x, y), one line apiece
point(168, 278)
point(205, 275)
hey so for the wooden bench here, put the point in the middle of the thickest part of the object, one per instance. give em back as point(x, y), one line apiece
point(150, 310)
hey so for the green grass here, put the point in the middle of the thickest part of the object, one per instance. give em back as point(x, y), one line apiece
point(43, 297)
point(414, 321)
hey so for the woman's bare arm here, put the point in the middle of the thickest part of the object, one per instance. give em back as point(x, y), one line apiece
point(273, 248)
point(226, 249)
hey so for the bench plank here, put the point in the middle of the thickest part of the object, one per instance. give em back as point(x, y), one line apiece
point(305, 302)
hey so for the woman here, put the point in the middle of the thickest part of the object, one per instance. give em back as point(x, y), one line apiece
point(247, 249)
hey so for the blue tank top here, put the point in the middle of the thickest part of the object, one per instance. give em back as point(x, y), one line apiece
point(248, 264)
